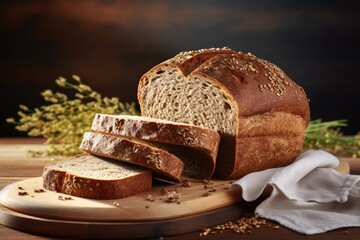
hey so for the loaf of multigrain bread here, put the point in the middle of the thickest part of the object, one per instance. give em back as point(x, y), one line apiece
point(94, 177)
point(196, 146)
point(163, 164)
point(260, 113)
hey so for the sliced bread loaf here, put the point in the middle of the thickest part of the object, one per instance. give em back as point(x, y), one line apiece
point(94, 177)
point(164, 164)
point(196, 146)
point(260, 113)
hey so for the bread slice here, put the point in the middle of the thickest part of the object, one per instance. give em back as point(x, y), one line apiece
point(94, 177)
point(260, 113)
point(135, 151)
point(196, 146)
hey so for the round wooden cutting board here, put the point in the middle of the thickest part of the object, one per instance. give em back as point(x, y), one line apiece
point(29, 197)
point(26, 206)
point(121, 230)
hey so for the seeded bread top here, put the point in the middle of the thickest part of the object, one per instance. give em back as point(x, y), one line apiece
point(257, 85)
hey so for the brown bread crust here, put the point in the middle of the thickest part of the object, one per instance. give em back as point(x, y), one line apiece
point(256, 85)
point(263, 95)
point(197, 146)
point(81, 186)
point(135, 151)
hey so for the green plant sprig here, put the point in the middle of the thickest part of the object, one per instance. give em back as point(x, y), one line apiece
point(328, 136)
point(63, 121)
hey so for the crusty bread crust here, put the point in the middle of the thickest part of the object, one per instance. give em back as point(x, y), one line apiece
point(67, 181)
point(135, 151)
point(270, 110)
point(199, 160)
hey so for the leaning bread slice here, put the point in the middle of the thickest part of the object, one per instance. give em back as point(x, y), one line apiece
point(94, 177)
point(196, 146)
point(135, 151)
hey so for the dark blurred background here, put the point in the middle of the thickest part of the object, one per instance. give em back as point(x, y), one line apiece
point(110, 44)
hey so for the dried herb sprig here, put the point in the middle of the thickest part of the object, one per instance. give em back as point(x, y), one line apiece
point(63, 121)
point(328, 136)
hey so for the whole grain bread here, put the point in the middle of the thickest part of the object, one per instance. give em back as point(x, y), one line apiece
point(163, 164)
point(95, 177)
point(196, 146)
point(260, 113)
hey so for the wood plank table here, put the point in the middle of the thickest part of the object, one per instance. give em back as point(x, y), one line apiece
point(14, 167)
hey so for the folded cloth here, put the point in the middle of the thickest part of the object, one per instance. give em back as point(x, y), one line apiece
point(308, 196)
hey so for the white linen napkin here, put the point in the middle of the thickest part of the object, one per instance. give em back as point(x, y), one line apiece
point(308, 196)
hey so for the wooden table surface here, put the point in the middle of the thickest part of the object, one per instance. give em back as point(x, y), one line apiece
point(16, 168)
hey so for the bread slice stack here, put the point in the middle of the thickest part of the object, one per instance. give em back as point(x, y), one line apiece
point(169, 149)
point(196, 146)
point(153, 147)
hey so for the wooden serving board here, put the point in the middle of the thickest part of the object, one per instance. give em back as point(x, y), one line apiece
point(121, 230)
point(25, 206)
point(29, 197)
